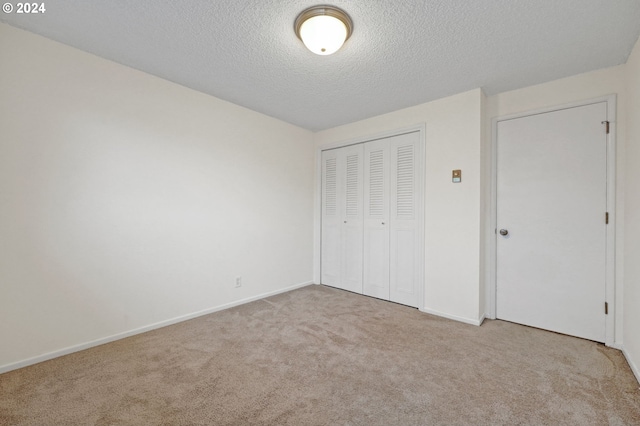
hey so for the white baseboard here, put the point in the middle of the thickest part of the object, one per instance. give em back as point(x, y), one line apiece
point(76, 348)
point(454, 317)
point(482, 318)
point(634, 368)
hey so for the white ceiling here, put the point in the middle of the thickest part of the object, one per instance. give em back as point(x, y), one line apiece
point(402, 52)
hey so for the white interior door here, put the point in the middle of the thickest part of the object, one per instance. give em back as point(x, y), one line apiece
point(405, 262)
point(371, 234)
point(376, 220)
point(352, 217)
point(331, 250)
point(391, 231)
point(551, 199)
point(342, 218)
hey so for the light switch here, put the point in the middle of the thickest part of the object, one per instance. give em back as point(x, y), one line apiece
point(456, 176)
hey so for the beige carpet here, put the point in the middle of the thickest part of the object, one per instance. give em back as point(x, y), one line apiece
point(321, 356)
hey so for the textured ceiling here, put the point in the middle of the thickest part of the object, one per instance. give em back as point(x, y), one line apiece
point(402, 52)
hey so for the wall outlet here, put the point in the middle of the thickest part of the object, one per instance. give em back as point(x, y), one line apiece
point(238, 282)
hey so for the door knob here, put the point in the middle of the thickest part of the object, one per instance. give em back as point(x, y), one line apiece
point(504, 232)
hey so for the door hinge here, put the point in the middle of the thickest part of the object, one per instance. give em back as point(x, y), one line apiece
point(606, 126)
point(606, 218)
point(606, 308)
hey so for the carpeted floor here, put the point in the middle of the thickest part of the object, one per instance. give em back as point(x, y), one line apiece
point(322, 356)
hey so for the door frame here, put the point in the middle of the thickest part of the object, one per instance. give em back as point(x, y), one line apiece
point(421, 128)
point(610, 280)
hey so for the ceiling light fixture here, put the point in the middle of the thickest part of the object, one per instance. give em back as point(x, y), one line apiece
point(323, 29)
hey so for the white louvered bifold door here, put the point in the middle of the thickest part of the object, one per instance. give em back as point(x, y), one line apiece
point(331, 220)
point(404, 240)
point(352, 215)
point(370, 218)
point(376, 219)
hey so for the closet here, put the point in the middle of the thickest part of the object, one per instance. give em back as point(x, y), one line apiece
point(371, 212)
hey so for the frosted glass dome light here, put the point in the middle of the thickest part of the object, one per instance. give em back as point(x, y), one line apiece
point(323, 29)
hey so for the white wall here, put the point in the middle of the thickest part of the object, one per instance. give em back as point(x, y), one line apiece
point(567, 90)
point(452, 212)
point(632, 215)
point(127, 200)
